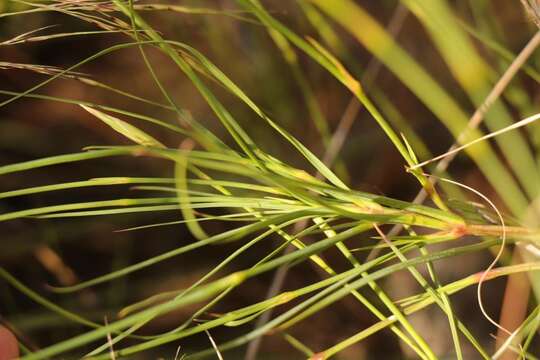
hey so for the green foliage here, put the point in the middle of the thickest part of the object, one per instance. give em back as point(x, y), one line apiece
point(263, 197)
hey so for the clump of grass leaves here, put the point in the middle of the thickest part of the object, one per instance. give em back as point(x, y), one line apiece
point(267, 197)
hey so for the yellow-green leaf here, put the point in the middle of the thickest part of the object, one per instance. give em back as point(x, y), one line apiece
point(124, 128)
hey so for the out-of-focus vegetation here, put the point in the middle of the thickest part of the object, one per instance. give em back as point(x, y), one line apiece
point(240, 178)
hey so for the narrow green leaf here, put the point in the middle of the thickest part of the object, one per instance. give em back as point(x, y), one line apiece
point(125, 128)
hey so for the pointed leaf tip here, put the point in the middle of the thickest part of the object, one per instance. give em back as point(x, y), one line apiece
point(131, 132)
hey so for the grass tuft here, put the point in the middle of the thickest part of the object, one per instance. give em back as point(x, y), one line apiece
point(264, 212)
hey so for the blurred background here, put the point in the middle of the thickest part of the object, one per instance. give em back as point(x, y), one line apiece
point(65, 251)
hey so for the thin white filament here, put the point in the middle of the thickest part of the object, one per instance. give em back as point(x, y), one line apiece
point(514, 126)
point(497, 257)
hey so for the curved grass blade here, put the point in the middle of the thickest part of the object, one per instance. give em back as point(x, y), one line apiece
point(231, 235)
point(373, 36)
point(131, 132)
point(472, 72)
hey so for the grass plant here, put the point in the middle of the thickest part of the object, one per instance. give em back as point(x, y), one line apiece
point(228, 178)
